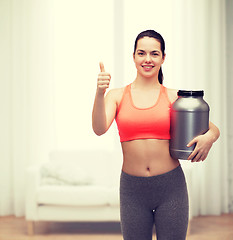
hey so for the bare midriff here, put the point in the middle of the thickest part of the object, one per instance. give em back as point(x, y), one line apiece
point(147, 157)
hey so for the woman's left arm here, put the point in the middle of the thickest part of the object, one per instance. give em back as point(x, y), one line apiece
point(203, 143)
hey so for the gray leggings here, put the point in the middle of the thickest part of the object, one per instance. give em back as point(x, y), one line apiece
point(160, 200)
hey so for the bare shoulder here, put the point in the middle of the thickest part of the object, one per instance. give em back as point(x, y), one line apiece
point(115, 94)
point(116, 91)
point(172, 94)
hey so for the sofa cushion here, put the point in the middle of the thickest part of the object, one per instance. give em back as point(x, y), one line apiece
point(113, 196)
point(63, 173)
point(89, 195)
point(102, 167)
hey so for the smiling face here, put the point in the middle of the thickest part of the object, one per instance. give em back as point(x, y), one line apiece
point(148, 57)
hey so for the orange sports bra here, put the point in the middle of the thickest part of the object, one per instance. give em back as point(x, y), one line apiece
point(143, 123)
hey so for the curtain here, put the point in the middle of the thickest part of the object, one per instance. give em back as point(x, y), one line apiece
point(203, 66)
point(5, 106)
point(28, 134)
point(229, 55)
point(50, 50)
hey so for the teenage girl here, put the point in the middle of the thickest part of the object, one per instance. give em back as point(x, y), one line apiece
point(152, 185)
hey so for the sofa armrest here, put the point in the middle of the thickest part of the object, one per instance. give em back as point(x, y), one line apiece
point(32, 185)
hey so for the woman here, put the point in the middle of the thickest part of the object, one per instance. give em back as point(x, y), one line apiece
point(152, 188)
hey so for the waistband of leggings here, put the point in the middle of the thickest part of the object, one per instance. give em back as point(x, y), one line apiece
point(168, 174)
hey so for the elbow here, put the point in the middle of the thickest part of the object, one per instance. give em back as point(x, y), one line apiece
point(215, 131)
point(218, 134)
point(98, 132)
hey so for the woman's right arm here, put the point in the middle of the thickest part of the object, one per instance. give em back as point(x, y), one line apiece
point(104, 109)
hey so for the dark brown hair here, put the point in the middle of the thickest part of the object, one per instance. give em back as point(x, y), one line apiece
point(157, 36)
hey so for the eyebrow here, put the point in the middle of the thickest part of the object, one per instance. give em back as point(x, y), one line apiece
point(154, 51)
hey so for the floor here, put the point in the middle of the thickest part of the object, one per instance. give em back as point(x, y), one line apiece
point(201, 228)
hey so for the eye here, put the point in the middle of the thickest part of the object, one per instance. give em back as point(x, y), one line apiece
point(140, 53)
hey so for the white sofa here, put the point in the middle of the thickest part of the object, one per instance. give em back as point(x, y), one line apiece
point(67, 196)
point(76, 186)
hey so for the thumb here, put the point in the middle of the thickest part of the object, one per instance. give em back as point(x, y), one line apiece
point(102, 67)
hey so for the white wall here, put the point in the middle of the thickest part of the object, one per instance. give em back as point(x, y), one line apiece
point(83, 36)
point(156, 15)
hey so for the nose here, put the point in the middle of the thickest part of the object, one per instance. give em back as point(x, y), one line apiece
point(148, 58)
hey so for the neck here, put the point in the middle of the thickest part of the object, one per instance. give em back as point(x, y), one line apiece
point(145, 83)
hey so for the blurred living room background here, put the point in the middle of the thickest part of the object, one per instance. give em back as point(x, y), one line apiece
point(50, 54)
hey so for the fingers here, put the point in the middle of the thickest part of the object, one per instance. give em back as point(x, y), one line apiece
point(198, 154)
point(194, 153)
point(197, 157)
point(103, 80)
point(101, 67)
point(191, 142)
point(201, 150)
point(103, 84)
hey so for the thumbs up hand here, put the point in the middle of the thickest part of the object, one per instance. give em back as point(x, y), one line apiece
point(103, 79)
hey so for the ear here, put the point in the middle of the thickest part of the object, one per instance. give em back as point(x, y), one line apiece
point(164, 57)
point(134, 57)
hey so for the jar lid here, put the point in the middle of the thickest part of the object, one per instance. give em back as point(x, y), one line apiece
point(190, 93)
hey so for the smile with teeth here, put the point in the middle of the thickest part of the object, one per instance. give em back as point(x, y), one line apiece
point(147, 66)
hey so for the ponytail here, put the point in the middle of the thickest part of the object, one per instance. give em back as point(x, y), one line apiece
point(160, 76)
